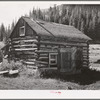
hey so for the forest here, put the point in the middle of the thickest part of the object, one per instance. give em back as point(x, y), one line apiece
point(86, 18)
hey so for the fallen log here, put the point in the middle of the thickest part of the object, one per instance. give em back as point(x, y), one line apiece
point(11, 72)
point(4, 72)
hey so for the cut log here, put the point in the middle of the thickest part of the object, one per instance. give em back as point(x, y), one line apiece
point(32, 67)
point(4, 72)
point(30, 63)
point(11, 72)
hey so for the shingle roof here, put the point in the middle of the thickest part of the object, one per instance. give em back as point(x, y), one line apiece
point(36, 27)
point(56, 30)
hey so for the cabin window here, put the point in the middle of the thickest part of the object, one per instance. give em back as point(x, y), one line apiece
point(52, 59)
point(22, 31)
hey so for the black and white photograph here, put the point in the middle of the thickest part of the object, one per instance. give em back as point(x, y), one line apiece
point(49, 46)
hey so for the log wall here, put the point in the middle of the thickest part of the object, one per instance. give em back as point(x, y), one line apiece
point(24, 48)
point(35, 52)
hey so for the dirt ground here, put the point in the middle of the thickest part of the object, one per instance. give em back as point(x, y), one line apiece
point(86, 81)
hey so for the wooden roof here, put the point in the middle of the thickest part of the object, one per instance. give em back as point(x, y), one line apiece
point(56, 30)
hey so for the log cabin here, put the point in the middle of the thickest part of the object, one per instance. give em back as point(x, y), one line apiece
point(41, 44)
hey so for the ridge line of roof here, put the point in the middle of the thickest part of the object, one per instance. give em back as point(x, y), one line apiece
point(44, 28)
point(50, 31)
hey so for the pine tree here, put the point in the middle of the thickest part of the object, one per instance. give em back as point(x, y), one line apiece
point(2, 32)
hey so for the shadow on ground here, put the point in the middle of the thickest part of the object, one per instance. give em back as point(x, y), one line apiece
point(85, 78)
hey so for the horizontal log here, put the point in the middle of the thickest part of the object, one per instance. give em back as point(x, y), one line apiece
point(85, 57)
point(43, 51)
point(70, 44)
point(26, 45)
point(11, 72)
point(42, 45)
point(25, 41)
point(30, 53)
point(42, 66)
point(31, 60)
point(85, 63)
point(41, 62)
point(85, 51)
point(28, 56)
point(41, 48)
point(25, 49)
point(32, 67)
point(49, 49)
point(30, 63)
point(43, 57)
point(26, 52)
point(26, 37)
point(85, 48)
point(34, 40)
point(48, 46)
point(86, 60)
point(85, 54)
point(3, 72)
point(85, 66)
